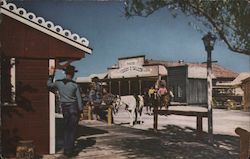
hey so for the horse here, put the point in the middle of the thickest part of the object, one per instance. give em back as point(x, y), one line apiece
point(153, 101)
point(133, 104)
point(164, 100)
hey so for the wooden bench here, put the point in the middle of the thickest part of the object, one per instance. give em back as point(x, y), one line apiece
point(199, 115)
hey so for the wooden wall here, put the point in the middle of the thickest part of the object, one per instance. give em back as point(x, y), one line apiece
point(246, 89)
point(197, 91)
point(20, 40)
point(29, 120)
point(32, 49)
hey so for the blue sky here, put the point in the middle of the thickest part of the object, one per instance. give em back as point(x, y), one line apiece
point(112, 35)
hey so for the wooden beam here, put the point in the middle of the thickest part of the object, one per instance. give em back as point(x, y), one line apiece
point(244, 142)
point(52, 116)
point(184, 113)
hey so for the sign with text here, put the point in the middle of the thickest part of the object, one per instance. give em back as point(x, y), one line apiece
point(134, 71)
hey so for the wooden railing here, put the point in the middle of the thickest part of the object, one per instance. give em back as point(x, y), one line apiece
point(199, 116)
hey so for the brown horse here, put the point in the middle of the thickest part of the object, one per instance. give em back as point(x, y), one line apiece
point(164, 101)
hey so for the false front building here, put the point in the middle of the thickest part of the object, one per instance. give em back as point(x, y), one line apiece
point(136, 74)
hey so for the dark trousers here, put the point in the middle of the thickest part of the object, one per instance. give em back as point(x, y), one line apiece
point(71, 119)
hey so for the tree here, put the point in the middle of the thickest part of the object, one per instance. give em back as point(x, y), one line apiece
point(229, 20)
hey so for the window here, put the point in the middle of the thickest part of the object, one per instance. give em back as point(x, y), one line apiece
point(8, 81)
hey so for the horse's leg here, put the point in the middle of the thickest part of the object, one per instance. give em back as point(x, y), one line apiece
point(150, 106)
point(150, 109)
point(154, 102)
point(147, 107)
point(131, 114)
point(151, 101)
point(160, 102)
point(167, 101)
point(136, 115)
point(140, 113)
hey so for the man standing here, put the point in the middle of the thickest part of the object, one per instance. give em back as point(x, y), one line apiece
point(95, 97)
point(71, 103)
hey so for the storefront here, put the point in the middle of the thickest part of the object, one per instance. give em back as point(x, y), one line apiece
point(133, 76)
point(187, 81)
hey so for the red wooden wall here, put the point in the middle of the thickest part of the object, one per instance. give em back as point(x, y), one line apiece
point(29, 120)
point(32, 49)
point(20, 40)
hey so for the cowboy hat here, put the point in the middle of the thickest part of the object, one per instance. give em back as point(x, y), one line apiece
point(70, 69)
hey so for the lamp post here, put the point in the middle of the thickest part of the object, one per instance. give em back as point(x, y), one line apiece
point(209, 41)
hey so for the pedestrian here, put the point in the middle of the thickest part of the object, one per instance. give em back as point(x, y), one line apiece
point(71, 103)
point(95, 97)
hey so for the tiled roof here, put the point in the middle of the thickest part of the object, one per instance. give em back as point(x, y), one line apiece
point(238, 80)
point(166, 63)
point(217, 70)
point(47, 27)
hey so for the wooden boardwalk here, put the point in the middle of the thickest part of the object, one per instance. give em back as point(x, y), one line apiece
point(97, 140)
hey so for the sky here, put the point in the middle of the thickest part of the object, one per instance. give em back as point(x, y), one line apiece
point(112, 35)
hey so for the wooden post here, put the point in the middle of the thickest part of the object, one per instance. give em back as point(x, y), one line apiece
point(129, 87)
point(155, 117)
point(209, 97)
point(0, 98)
point(140, 87)
point(244, 142)
point(119, 85)
point(109, 115)
point(89, 112)
point(110, 86)
point(52, 116)
point(199, 126)
point(13, 79)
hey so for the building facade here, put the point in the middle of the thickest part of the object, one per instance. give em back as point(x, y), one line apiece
point(187, 81)
point(29, 45)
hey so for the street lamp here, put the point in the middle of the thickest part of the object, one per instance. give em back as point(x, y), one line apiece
point(209, 41)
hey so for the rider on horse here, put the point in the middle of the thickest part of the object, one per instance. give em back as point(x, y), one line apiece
point(163, 93)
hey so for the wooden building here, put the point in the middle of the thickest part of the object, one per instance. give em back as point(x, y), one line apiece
point(133, 75)
point(130, 76)
point(188, 81)
point(246, 88)
point(187, 87)
point(29, 45)
point(232, 94)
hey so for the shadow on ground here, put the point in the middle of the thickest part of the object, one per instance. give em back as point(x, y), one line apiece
point(82, 131)
point(174, 142)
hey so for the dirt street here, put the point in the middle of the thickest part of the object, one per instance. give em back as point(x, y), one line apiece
point(175, 139)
